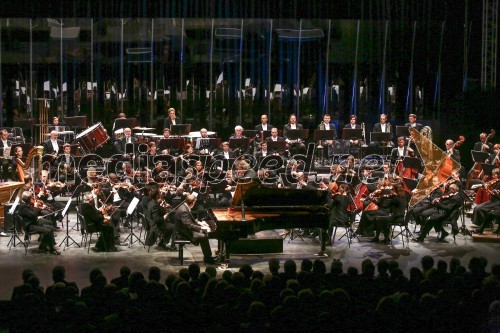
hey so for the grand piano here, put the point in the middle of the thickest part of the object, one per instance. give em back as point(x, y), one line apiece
point(256, 208)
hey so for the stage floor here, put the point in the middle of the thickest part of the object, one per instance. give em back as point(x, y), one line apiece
point(78, 262)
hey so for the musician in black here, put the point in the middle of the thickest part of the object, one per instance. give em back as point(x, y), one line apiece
point(159, 222)
point(238, 134)
point(482, 145)
point(482, 214)
point(338, 204)
point(423, 209)
point(5, 145)
point(412, 122)
point(33, 222)
point(401, 151)
point(172, 119)
point(447, 206)
point(53, 145)
point(264, 125)
point(451, 152)
point(96, 218)
point(382, 127)
point(397, 208)
point(226, 152)
point(379, 205)
point(326, 126)
point(296, 146)
point(121, 144)
point(188, 228)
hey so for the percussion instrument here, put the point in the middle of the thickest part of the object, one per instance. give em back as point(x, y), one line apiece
point(119, 133)
point(93, 137)
point(145, 137)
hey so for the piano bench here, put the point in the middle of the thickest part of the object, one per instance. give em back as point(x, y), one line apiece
point(180, 243)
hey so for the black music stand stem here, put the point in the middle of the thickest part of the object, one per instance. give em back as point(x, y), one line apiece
point(68, 238)
point(132, 237)
point(463, 229)
point(349, 232)
point(15, 236)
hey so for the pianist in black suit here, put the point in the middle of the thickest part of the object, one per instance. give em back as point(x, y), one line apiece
point(412, 122)
point(264, 125)
point(172, 119)
point(53, 145)
point(188, 228)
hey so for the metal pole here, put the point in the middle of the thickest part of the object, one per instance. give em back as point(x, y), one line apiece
point(381, 103)
point(437, 91)
point(269, 70)
point(298, 71)
point(327, 69)
point(153, 89)
point(409, 93)
point(210, 84)
point(182, 69)
point(240, 93)
point(61, 73)
point(92, 67)
point(354, 98)
point(1, 79)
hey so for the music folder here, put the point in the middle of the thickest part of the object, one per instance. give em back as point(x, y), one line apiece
point(352, 134)
point(170, 143)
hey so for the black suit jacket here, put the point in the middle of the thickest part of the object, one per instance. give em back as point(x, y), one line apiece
point(455, 156)
point(120, 147)
point(395, 155)
point(9, 144)
point(332, 128)
point(259, 127)
point(91, 214)
point(30, 216)
point(451, 204)
point(478, 146)
point(280, 138)
point(288, 127)
point(338, 205)
point(349, 126)
point(48, 149)
point(185, 222)
point(378, 127)
point(168, 121)
point(418, 126)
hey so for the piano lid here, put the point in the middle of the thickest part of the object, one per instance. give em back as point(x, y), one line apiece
point(253, 194)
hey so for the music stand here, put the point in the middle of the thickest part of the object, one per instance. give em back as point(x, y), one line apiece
point(239, 143)
point(410, 183)
point(68, 237)
point(403, 131)
point(171, 143)
point(124, 123)
point(479, 156)
point(250, 133)
point(130, 149)
point(380, 136)
point(412, 163)
point(295, 134)
point(488, 168)
point(180, 129)
point(324, 135)
point(208, 143)
point(130, 210)
point(276, 147)
point(15, 236)
point(77, 122)
point(352, 134)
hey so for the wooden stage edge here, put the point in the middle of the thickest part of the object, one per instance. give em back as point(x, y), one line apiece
point(487, 237)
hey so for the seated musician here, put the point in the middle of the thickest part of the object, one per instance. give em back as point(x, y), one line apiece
point(274, 136)
point(159, 222)
point(338, 204)
point(238, 134)
point(482, 145)
point(301, 183)
point(451, 151)
point(401, 151)
point(397, 209)
point(99, 219)
point(5, 155)
point(53, 145)
point(482, 214)
point(326, 126)
point(446, 205)
point(47, 191)
point(65, 164)
point(263, 150)
point(188, 228)
point(101, 203)
point(172, 119)
point(264, 125)
point(31, 212)
point(424, 208)
point(495, 156)
point(412, 122)
point(56, 126)
point(200, 145)
point(244, 171)
point(226, 152)
point(296, 146)
point(379, 205)
point(121, 144)
point(382, 127)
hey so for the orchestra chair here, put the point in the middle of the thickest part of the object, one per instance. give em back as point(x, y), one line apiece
point(404, 231)
point(453, 220)
point(28, 234)
point(86, 230)
point(144, 225)
point(349, 232)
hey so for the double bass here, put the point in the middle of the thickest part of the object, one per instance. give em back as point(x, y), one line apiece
point(477, 170)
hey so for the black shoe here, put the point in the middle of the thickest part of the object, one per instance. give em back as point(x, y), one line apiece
point(477, 231)
point(54, 252)
point(173, 248)
point(444, 234)
point(96, 249)
point(118, 242)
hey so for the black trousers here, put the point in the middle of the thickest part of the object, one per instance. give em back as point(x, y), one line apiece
point(44, 227)
point(202, 240)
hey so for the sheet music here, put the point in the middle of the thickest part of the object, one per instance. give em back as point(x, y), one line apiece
point(66, 207)
point(247, 82)
point(65, 87)
point(220, 78)
point(132, 206)
point(14, 206)
point(46, 86)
